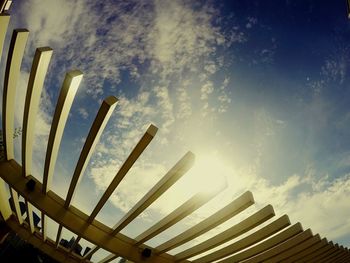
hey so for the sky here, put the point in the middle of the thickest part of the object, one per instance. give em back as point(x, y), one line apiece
point(255, 89)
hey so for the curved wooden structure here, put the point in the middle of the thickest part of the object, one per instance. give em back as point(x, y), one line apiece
point(276, 241)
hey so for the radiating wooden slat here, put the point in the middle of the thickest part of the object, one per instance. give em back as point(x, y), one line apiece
point(4, 22)
point(30, 216)
point(179, 213)
point(93, 137)
point(266, 244)
point(12, 73)
point(284, 256)
point(40, 65)
point(333, 249)
point(293, 241)
point(232, 209)
point(317, 252)
point(309, 250)
point(108, 258)
point(43, 226)
point(171, 177)
point(5, 207)
point(15, 199)
point(337, 258)
point(58, 236)
point(64, 103)
point(345, 258)
point(332, 258)
point(134, 155)
point(233, 232)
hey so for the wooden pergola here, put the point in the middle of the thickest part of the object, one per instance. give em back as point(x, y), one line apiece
point(277, 241)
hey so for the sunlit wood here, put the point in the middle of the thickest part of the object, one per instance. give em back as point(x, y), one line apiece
point(134, 155)
point(331, 258)
point(40, 64)
point(5, 208)
point(266, 244)
point(309, 250)
point(4, 22)
point(64, 103)
point(12, 73)
point(179, 213)
point(232, 209)
point(93, 137)
point(293, 241)
point(233, 232)
point(15, 200)
point(171, 177)
point(294, 250)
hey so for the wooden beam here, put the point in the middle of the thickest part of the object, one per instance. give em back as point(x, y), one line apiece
point(179, 213)
point(93, 137)
point(12, 73)
point(58, 235)
point(38, 72)
point(134, 155)
point(73, 219)
point(333, 256)
point(172, 176)
point(233, 232)
point(265, 245)
point(294, 250)
point(279, 248)
point(64, 103)
point(4, 22)
point(5, 207)
point(309, 250)
point(232, 209)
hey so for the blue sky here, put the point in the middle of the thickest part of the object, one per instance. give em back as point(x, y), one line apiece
point(256, 90)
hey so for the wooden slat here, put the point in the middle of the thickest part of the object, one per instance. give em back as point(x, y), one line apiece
point(333, 256)
point(266, 244)
point(58, 235)
point(179, 213)
point(294, 250)
point(5, 207)
point(293, 241)
point(108, 258)
point(171, 177)
point(134, 155)
point(12, 73)
point(337, 258)
point(232, 209)
point(29, 208)
point(43, 226)
point(4, 22)
point(345, 258)
point(317, 252)
point(333, 249)
point(64, 103)
point(233, 232)
point(309, 250)
point(38, 72)
point(93, 137)
point(15, 200)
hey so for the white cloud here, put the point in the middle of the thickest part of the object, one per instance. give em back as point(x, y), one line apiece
point(83, 113)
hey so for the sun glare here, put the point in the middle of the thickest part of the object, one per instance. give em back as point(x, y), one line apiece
point(208, 175)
